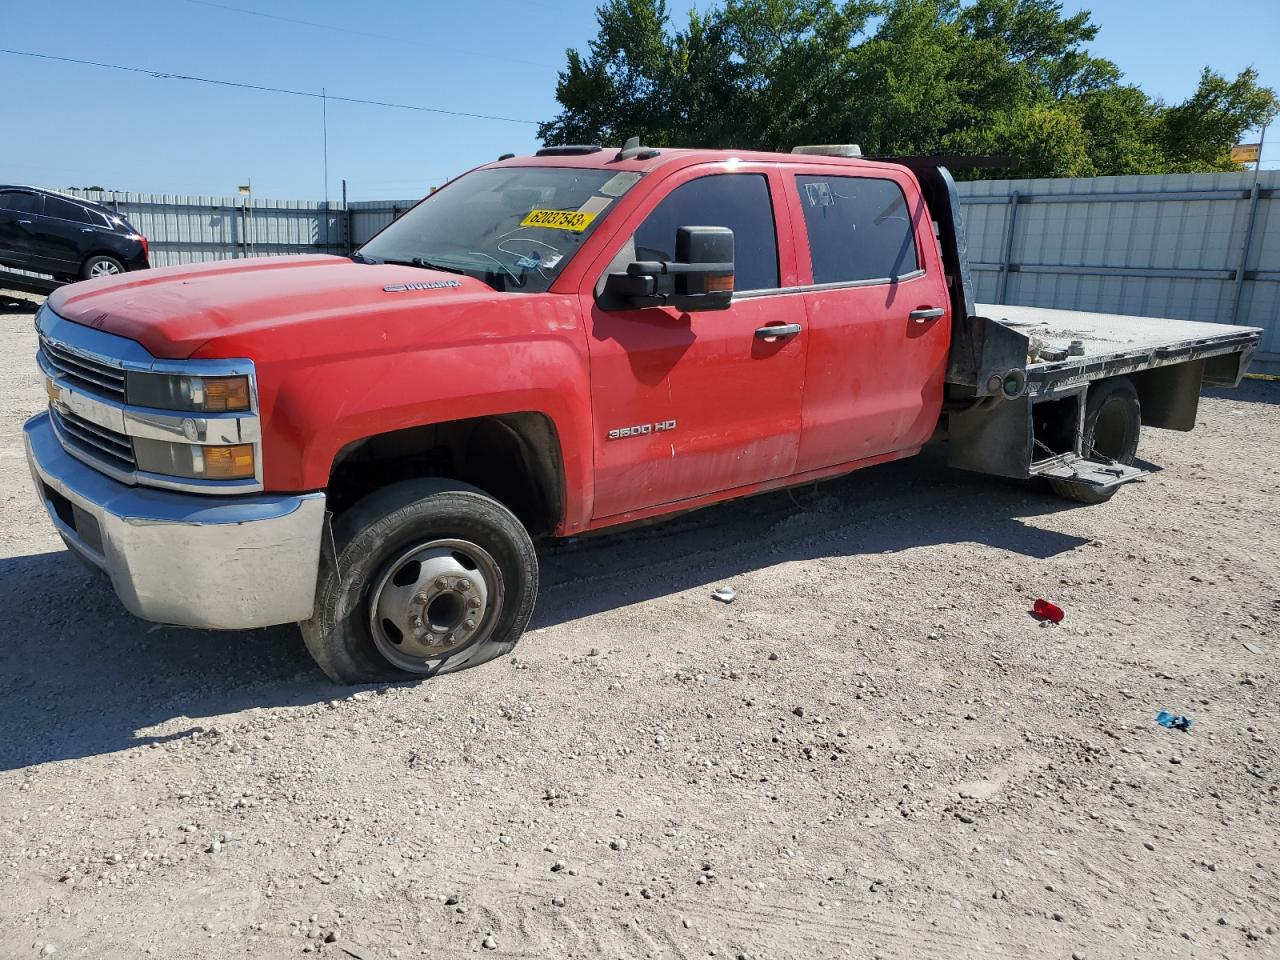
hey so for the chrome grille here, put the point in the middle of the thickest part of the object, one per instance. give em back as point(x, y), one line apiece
point(90, 373)
point(88, 370)
point(96, 441)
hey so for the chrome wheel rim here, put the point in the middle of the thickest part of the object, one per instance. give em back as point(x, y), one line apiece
point(433, 600)
point(103, 268)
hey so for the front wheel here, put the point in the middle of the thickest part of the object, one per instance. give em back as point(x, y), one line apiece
point(432, 576)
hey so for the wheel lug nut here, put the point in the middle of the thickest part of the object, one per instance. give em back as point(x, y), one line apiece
point(470, 624)
point(474, 603)
point(442, 583)
point(417, 623)
point(421, 598)
point(464, 585)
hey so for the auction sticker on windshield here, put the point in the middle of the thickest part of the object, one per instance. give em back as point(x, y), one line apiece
point(574, 221)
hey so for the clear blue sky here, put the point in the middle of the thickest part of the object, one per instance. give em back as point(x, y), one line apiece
point(69, 125)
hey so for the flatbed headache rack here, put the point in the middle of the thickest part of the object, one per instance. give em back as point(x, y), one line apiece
point(1007, 362)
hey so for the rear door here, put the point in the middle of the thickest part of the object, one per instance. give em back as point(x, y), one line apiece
point(878, 313)
point(687, 404)
point(65, 235)
point(19, 213)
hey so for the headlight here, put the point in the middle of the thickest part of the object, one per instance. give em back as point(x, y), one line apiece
point(193, 461)
point(187, 393)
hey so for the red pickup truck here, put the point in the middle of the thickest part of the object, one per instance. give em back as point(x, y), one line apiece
point(547, 346)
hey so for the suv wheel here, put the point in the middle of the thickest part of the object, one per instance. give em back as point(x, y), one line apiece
point(433, 576)
point(100, 267)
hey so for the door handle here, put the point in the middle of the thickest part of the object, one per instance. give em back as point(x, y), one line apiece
point(86, 229)
point(928, 313)
point(778, 330)
point(24, 223)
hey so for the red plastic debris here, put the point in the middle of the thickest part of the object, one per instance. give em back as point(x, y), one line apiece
point(1047, 611)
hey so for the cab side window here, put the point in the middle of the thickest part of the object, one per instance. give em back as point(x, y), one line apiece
point(64, 210)
point(859, 229)
point(739, 201)
point(21, 202)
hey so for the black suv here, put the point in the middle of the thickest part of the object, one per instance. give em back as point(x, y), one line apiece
point(70, 238)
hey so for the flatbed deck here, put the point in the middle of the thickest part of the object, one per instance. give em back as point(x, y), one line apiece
point(1112, 344)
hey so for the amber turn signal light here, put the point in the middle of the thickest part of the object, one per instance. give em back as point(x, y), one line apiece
point(226, 393)
point(722, 283)
point(229, 463)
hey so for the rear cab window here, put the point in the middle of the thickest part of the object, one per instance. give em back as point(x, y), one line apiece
point(859, 229)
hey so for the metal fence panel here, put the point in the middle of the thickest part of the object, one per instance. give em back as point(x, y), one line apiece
point(370, 216)
point(190, 229)
point(1187, 246)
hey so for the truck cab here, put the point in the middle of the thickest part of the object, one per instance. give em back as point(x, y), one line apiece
point(547, 346)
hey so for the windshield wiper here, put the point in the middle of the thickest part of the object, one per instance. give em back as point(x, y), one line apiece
point(361, 258)
point(425, 264)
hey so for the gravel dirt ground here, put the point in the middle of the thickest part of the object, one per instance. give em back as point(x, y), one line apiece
point(874, 752)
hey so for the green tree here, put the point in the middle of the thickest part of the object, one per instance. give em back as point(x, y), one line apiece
point(1198, 133)
point(1037, 38)
point(1049, 139)
point(1124, 129)
point(897, 77)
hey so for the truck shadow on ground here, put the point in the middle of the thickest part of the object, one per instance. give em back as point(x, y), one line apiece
point(1249, 391)
point(81, 677)
point(917, 502)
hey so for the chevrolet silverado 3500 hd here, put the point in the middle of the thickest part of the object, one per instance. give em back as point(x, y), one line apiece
point(546, 346)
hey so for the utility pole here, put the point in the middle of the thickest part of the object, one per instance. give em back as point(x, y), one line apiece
point(324, 120)
point(346, 217)
point(1257, 164)
point(245, 189)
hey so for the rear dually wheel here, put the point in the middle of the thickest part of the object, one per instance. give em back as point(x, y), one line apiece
point(1112, 422)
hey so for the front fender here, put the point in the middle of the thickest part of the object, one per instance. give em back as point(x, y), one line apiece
point(318, 409)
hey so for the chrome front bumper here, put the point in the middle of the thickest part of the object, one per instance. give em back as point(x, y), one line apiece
point(197, 561)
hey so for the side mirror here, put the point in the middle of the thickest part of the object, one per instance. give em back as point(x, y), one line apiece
point(700, 278)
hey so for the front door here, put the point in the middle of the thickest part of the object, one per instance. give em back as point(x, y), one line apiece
point(19, 211)
point(687, 404)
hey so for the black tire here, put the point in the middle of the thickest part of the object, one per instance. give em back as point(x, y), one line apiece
point(100, 266)
point(1112, 423)
point(375, 533)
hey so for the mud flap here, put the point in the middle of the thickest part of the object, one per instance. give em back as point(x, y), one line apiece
point(1075, 469)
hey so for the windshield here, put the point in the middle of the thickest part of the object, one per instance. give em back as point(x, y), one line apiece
point(515, 228)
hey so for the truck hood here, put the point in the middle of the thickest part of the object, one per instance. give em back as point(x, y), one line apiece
point(174, 311)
